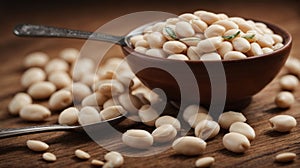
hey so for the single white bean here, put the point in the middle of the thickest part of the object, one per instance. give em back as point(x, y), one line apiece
point(210, 44)
point(139, 49)
point(178, 57)
point(142, 43)
point(155, 52)
point(96, 162)
point(156, 40)
point(214, 30)
point(187, 17)
point(36, 145)
point(210, 57)
point(80, 91)
point(241, 44)
point(31, 76)
point(148, 115)
point(198, 25)
point(168, 120)
point(41, 90)
point(135, 39)
point(184, 29)
point(114, 158)
point(50, 157)
point(82, 154)
point(60, 100)
point(19, 101)
point(60, 79)
point(194, 53)
point(227, 24)
point(174, 47)
point(234, 55)
point(207, 129)
point(284, 99)
point(204, 162)
point(36, 59)
point(68, 116)
point(207, 17)
point(70, 55)
point(226, 119)
point(267, 50)
point(95, 99)
point(35, 112)
point(224, 48)
point(88, 115)
point(164, 133)
point(56, 65)
point(243, 128)
point(255, 49)
point(289, 82)
point(285, 157)
point(189, 145)
point(283, 123)
point(236, 142)
point(112, 112)
point(136, 138)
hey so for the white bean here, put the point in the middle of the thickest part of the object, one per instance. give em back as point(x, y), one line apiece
point(112, 112)
point(88, 115)
point(136, 138)
point(130, 102)
point(241, 44)
point(198, 25)
point(36, 59)
point(50, 157)
point(189, 145)
point(191, 110)
point(142, 43)
point(207, 17)
point(156, 40)
point(164, 133)
point(210, 56)
point(236, 142)
point(227, 24)
point(243, 128)
point(187, 17)
point(37, 146)
point(80, 91)
point(178, 57)
point(289, 82)
point(35, 112)
point(228, 118)
point(174, 47)
point(210, 44)
point(136, 38)
point(148, 115)
point(255, 49)
point(184, 29)
point(95, 99)
point(285, 157)
point(19, 101)
point(41, 90)
point(267, 50)
point(140, 50)
point(214, 30)
point(284, 99)
point(60, 100)
point(194, 53)
point(204, 162)
point(283, 123)
point(224, 48)
point(155, 52)
point(114, 158)
point(82, 154)
point(68, 116)
point(69, 55)
point(31, 76)
point(56, 65)
point(207, 129)
point(234, 55)
point(168, 120)
point(60, 79)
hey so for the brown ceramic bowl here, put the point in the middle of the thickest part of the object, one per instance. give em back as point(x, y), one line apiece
point(244, 78)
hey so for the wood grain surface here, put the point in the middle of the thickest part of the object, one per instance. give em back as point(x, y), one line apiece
point(89, 15)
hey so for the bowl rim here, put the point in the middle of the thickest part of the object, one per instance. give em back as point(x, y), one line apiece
point(287, 37)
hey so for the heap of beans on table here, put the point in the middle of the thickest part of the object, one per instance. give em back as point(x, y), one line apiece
point(205, 35)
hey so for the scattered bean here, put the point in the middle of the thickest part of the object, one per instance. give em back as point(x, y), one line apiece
point(207, 129)
point(189, 145)
point(285, 157)
point(168, 120)
point(236, 142)
point(136, 138)
point(284, 99)
point(164, 133)
point(56, 65)
point(68, 116)
point(204, 162)
point(35, 112)
point(36, 59)
point(31, 76)
point(37, 146)
point(41, 90)
point(96, 162)
point(283, 123)
point(243, 128)
point(194, 120)
point(50, 157)
point(82, 154)
point(289, 82)
point(60, 100)
point(114, 158)
point(88, 115)
point(228, 118)
point(80, 91)
point(19, 101)
point(60, 79)
point(112, 112)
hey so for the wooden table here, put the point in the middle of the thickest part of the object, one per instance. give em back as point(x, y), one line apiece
point(92, 14)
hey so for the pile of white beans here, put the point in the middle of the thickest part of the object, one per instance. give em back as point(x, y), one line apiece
point(114, 90)
point(205, 35)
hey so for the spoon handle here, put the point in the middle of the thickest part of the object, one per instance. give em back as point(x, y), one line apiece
point(29, 30)
point(9, 132)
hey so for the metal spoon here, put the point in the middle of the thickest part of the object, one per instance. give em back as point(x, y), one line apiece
point(29, 30)
point(10, 132)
